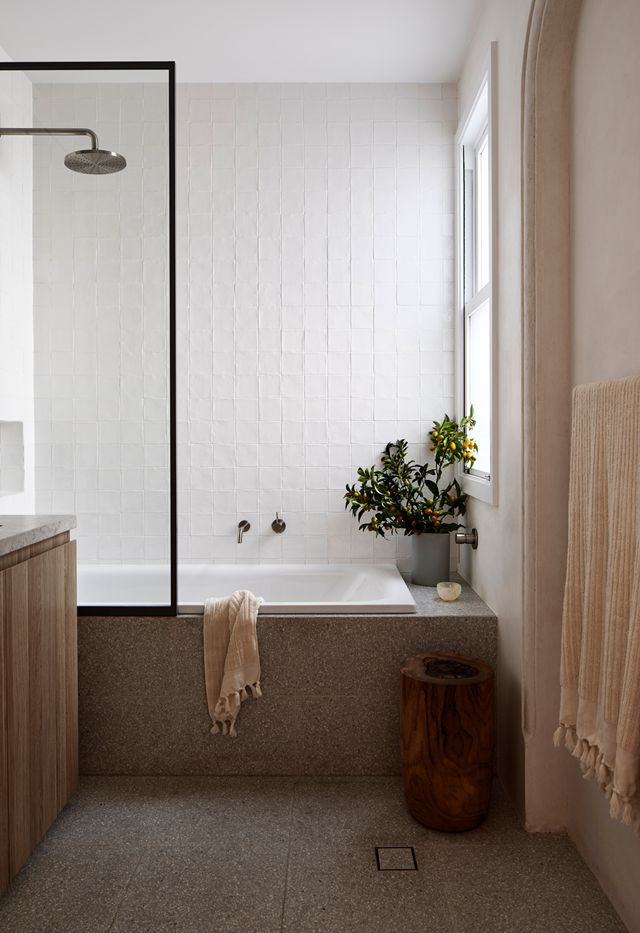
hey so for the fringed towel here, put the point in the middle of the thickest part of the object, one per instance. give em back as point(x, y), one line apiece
point(600, 667)
point(231, 658)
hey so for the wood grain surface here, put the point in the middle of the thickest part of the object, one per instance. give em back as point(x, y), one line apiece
point(40, 731)
point(71, 750)
point(32, 550)
point(16, 618)
point(4, 802)
point(447, 738)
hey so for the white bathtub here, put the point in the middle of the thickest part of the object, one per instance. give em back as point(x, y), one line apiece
point(286, 588)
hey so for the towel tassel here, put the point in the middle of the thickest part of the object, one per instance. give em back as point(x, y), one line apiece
point(215, 729)
point(570, 738)
point(615, 808)
point(627, 814)
point(243, 694)
point(256, 689)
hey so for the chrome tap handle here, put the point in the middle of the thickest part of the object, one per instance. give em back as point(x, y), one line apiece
point(243, 526)
point(471, 537)
point(278, 525)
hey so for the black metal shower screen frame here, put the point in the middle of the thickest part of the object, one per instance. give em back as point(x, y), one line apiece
point(170, 609)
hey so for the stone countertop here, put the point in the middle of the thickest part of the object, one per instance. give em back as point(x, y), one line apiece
point(468, 604)
point(18, 531)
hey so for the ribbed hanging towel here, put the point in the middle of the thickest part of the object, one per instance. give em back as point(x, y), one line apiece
point(600, 666)
point(231, 657)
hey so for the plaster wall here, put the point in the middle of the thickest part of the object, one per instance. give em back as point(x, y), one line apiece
point(595, 196)
point(495, 569)
point(605, 205)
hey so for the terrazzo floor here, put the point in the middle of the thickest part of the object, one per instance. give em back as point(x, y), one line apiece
point(264, 855)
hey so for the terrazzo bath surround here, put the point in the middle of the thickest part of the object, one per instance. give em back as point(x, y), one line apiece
point(330, 701)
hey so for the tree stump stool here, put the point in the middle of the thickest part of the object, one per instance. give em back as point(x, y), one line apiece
point(447, 735)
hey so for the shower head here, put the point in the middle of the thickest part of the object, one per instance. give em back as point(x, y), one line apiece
point(95, 161)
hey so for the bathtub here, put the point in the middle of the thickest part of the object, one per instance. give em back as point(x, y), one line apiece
point(300, 589)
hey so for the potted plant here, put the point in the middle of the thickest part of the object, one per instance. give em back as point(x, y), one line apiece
point(417, 498)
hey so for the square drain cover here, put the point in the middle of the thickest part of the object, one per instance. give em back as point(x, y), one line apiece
point(396, 858)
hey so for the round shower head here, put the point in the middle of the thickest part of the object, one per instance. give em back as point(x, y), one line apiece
point(95, 162)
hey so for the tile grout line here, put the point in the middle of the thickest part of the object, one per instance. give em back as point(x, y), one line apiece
point(125, 892)
point(144, 850)
point(451, 913)
point(286, 867)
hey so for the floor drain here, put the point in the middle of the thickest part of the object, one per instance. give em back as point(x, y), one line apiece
point(396, 858)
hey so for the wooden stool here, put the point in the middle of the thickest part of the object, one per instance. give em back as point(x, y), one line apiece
point(447, 734)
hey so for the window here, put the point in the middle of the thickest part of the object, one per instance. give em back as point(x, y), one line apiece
point(475, 298)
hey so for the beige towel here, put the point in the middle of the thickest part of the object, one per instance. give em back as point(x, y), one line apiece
point(600, 668)
point(231, 658)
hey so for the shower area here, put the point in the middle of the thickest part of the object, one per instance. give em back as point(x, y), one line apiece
point(87, 290)
point(218, 301)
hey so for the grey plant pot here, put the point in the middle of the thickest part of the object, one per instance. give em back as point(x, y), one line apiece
point(430, 559)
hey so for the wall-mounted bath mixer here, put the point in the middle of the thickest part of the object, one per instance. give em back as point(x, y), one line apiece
point(94, 161)
point(243, 527)
point(278, 525)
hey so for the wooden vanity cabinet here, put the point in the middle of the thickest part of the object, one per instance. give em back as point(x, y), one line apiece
point(38, 695)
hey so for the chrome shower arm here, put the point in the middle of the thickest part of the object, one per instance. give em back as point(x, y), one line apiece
point(49, 131)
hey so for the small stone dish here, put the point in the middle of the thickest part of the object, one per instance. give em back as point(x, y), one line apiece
point(448, 591)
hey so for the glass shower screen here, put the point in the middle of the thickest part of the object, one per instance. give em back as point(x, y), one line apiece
point(97, 218)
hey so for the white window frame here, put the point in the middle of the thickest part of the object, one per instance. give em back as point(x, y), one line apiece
point(470, 133)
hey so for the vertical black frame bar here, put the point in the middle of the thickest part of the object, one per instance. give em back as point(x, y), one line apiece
point(173, 417)
point(170, 609)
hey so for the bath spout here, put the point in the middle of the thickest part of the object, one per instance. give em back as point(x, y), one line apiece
point(242, 527)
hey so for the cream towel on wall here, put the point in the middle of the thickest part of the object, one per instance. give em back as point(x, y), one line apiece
point(231, 658)
point(600, 667)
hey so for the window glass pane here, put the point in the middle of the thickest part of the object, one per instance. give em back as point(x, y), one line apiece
point(482, 213)
point(469, 234)
point(478, 380)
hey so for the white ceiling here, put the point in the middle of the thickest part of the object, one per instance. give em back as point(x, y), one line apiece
point(251, 40)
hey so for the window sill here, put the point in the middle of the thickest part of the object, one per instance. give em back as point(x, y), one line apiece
point(477, 488)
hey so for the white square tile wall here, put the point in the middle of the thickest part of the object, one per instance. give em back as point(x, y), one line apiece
point(101, 322)
point(315, 306)
point(16, 297)
point(315, 268)
point(12, 475)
